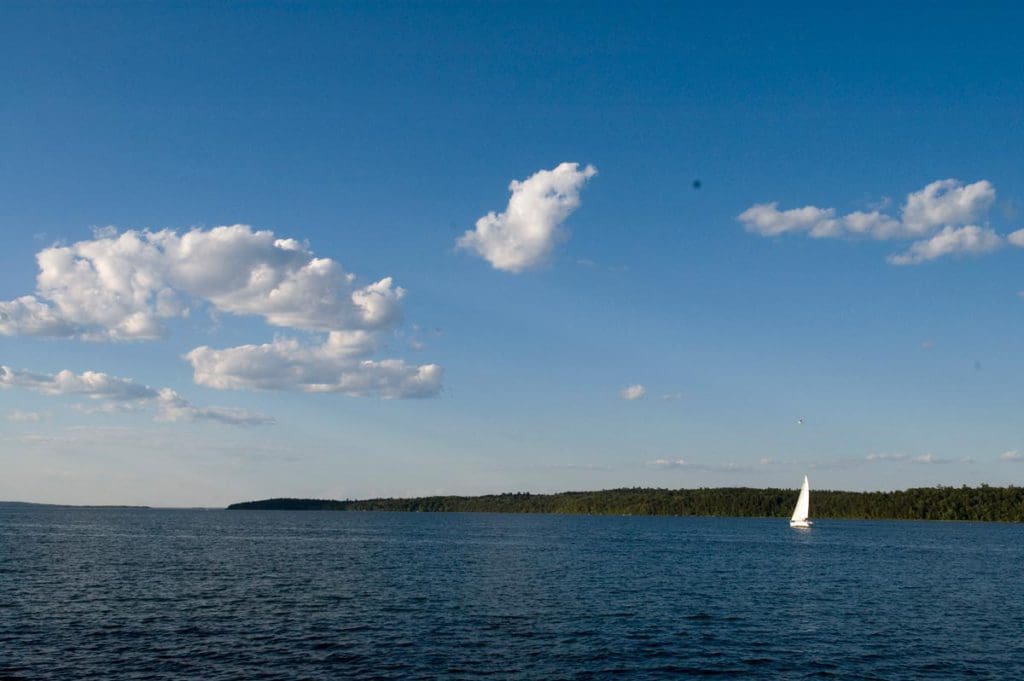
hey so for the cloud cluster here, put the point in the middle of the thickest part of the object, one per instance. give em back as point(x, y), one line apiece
point(941, 219)
point(335, 366)
point(970, 239)
point(946, 202)
point(125, 286)
point(123, 394)
point(526, 233)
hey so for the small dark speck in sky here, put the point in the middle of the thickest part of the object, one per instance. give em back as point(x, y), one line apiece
point(696, 184)
point(977, 366)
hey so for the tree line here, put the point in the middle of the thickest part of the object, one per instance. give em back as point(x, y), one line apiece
point(919, 503)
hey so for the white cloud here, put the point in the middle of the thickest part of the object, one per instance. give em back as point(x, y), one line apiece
point(874, 456)
point(104, 232)
point(771, 461)
point(950, 241)
point(921, 459)
point(669, 463)
point(122, 394)
point(525, 234)
point(19, 416)
point(173, 407)
point(1012, 455)
point(92, 384)
point(928, 459)
point(29, 316)
point(633, 392)
point(124, 286)
point(943, 217)
point(334, 366)
point(683, 463)
point(946, 202)
point(767, 220)
point(874, 224)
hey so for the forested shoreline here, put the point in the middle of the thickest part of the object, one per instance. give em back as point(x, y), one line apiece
point(920, 503)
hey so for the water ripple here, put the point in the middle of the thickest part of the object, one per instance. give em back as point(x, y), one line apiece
point(133, 594)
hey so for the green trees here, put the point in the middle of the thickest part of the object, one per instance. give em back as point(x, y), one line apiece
point(921, 503)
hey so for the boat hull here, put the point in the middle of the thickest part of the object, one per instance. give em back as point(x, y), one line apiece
point(801, 524)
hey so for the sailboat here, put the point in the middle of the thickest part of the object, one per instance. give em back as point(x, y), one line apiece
point(803, 507)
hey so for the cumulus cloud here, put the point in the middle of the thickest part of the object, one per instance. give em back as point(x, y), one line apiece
point(335, 366)
point(767, 220)
point(874, 224)
point(29, 316)
point(526, 233)
point(123, 286)
point(950, 241)
point(112, 393)
point(633, 392)
point(173, 407)
point(1012, 455)
point(126, 286)
point(90, 384)
point(946, 202)
point(942, 217)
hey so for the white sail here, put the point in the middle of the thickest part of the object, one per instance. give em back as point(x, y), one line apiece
point(803, 507)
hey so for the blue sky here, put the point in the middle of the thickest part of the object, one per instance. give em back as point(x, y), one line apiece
point(376, 135)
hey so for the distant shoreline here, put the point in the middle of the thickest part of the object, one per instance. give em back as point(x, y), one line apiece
point(982, 503)
point(41, 505)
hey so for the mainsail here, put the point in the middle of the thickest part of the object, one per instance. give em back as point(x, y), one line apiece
point(803, 506)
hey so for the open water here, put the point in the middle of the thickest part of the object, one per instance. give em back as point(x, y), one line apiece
point(164, 594)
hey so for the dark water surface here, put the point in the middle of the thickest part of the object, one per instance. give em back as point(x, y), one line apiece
point(112, 594)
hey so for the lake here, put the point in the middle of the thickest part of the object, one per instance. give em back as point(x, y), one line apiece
point(134, 593)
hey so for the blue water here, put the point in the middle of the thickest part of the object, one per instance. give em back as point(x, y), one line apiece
point(111, 594)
